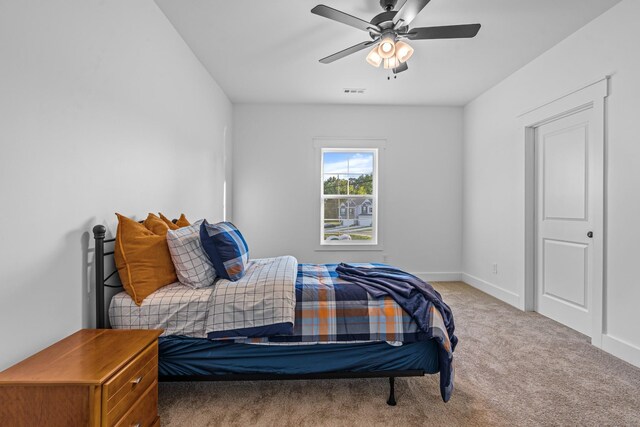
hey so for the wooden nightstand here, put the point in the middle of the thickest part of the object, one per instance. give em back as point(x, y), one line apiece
point(95, 377)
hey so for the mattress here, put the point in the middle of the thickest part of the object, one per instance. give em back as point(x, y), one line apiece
point(185, 356)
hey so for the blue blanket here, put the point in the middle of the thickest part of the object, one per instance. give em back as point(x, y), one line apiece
point(423, 303)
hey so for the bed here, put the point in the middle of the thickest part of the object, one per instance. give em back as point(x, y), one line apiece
point(340, 330)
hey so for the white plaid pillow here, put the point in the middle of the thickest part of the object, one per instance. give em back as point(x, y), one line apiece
point(193, 266)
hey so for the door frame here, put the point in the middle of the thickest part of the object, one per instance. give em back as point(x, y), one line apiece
point(591, 96)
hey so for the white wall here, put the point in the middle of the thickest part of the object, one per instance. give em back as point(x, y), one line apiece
point(277, 187)
point(103, 108)
point(493, 222)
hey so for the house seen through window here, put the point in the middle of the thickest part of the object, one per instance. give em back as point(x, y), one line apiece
point(349, 196)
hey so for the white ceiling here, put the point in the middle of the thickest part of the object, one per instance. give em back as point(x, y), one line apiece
point(268, 51)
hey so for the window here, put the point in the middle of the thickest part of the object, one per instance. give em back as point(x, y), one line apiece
point(349, 196)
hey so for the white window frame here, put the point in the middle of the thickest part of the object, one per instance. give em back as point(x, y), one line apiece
point(373, 197)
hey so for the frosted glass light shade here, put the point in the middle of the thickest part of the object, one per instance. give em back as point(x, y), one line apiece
point(387, 47)
point(403, 51)
point(391, 62)
point(374, 57)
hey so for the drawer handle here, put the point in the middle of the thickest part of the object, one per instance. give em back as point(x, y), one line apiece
point(136, 425)
point(137, 381)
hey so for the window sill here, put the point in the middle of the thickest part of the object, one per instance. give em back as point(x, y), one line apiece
point(349, 248)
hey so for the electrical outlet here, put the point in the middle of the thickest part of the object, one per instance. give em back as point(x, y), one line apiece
point(495, 268)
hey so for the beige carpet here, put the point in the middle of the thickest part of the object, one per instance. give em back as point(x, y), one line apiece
point(512, 368)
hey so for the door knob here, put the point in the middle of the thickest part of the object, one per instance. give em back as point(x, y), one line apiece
point(590, 234)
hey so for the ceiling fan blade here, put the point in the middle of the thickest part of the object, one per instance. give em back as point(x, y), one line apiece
point(400, 68)
point(408, 12)
point(345, 18)
point(353, 49)
point(446, 32)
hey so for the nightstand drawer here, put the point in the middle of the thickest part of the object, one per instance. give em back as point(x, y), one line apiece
point(133, 378)
point(126, 387)
point(145, 412)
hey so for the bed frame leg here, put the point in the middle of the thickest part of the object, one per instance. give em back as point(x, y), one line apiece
point(392, 392)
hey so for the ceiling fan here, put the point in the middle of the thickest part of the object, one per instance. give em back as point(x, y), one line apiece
point(388, 30)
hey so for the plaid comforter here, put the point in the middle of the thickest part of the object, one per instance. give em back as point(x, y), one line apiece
point(332, 310)
point(327, 309)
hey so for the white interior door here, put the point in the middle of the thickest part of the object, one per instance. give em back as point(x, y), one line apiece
point(569, 159)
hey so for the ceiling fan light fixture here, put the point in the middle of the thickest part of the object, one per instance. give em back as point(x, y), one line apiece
point(374, 58)
point(388, 28)
point(403, 51)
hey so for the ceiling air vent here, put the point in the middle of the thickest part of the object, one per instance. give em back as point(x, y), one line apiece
point(354, 91)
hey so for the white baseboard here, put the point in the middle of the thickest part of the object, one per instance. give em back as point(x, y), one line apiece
point(493, 290)
point(621, 349)
point(439, 277)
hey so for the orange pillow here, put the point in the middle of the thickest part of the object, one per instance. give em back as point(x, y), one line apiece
point(181, 222)
point(156, 225)
point(142, 258)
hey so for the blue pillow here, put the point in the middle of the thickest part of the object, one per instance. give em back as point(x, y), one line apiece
point(226, 248)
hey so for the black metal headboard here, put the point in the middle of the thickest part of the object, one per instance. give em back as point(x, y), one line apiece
point(99, 232)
